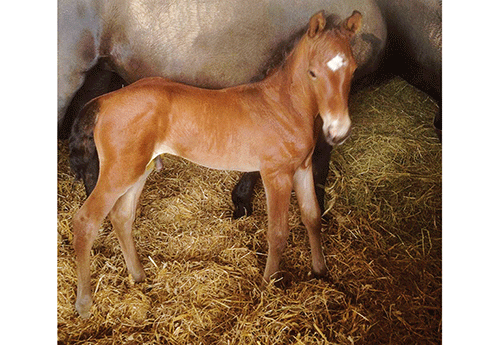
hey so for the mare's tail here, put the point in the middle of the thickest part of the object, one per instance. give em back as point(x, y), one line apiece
point(83, 158)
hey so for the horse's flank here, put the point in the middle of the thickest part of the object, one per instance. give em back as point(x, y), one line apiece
point(244, 128)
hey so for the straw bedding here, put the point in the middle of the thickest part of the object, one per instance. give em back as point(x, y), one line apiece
point(382, 240)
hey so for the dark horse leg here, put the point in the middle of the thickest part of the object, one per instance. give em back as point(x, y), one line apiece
point(320, 163)
point(242, 194)
point(98, 81)
point(243, 191)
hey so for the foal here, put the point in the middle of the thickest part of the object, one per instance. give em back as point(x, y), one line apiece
point(270, 126)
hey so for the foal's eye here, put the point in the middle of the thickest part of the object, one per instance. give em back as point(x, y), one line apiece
point(312, 74)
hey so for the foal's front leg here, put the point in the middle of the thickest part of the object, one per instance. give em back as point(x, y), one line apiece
point(278, 189)
point(311, 216)
point(243, 191)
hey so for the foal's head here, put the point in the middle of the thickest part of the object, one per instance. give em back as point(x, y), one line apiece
point(329, 70)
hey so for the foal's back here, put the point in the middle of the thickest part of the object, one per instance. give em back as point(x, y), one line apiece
point(238, 128)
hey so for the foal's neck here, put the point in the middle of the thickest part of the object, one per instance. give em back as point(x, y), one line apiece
point(289, 83)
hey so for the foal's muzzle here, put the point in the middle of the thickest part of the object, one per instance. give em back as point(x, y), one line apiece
point(337, 131)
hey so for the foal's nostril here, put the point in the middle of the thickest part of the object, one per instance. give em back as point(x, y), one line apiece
point(337, 137)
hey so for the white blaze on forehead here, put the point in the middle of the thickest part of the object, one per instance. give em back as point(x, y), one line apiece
point(337, 62)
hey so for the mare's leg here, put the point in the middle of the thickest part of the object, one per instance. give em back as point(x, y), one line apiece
point(311, 216)
point(242, 194)
point(122, 217)
point(96, 83)
point(320, 162)
point(278, 189)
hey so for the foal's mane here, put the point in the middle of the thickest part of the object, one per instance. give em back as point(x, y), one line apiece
point(285, 48)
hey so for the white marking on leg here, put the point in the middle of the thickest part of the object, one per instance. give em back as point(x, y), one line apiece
point(337, 62)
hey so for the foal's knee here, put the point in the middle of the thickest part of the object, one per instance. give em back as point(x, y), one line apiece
point(84, 230)
point(122, 215)
point(310, 216)
point(312, 222)
point(277, 240)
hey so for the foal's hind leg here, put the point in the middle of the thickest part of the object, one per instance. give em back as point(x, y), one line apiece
point(122, 217)
point(86, 223)
point(311, 216)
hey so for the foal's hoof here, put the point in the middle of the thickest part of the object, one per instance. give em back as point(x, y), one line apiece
point(282, 279)
point(138, 275)
point(83, 307)
point(321, 274)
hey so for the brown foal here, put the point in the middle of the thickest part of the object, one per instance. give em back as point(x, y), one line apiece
point(270, 126)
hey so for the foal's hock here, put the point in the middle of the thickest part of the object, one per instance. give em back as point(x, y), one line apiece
point(270, 126)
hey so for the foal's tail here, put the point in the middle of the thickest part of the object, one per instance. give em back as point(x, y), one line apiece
point(83, 158)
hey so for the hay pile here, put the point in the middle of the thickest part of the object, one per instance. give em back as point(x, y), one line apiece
point(382, 238)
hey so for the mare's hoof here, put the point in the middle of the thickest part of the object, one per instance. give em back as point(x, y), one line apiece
point(242, 209)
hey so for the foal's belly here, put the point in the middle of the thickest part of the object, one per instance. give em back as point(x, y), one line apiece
point(231, 159)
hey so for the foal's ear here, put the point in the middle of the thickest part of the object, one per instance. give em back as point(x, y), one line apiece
point(352, 24)
point(316, 24)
